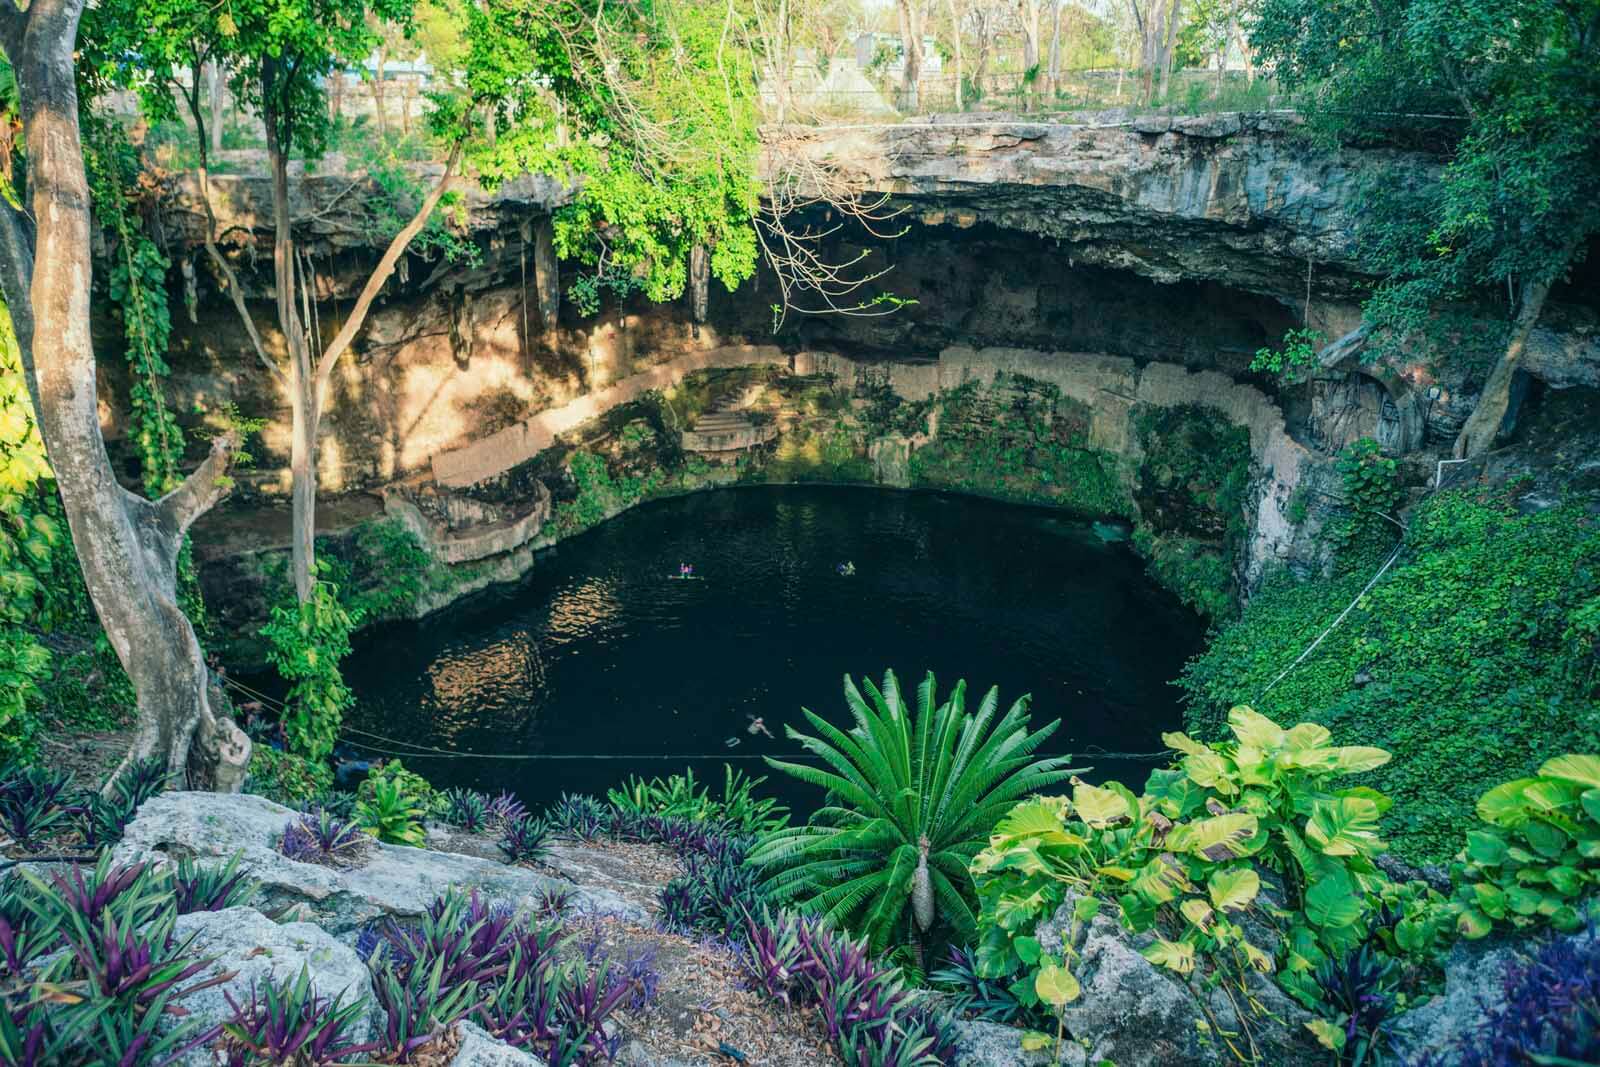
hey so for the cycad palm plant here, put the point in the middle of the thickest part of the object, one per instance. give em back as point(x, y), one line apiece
point(911, 799)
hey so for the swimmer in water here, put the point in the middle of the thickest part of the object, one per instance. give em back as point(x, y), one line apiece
point(686, 570)
point(847, 569)
point(758, 725)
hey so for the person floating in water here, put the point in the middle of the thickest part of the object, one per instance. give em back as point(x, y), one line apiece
point(847, 569)
point(686, 570)
point(758, 726)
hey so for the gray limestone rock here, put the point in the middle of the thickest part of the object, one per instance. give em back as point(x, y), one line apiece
point(258, 950)
point(478, 1049)
point(395, 880)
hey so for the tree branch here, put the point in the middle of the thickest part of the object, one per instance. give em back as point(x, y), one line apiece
point(204, 487)
point(380, 273)
point(13, 24)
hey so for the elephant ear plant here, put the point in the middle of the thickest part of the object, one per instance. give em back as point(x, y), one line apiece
point(912, 795)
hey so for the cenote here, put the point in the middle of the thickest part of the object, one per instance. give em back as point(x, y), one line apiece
point(600, 665)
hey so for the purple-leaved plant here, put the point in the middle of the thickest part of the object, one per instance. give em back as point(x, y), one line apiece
point(525, 840)
point(324, 838)
point(291, 1023)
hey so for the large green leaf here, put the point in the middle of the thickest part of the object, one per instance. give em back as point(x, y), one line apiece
point(1255, 729)
point(1099, 807)
point(1233, 888)
point(1332, 900)
point(1056, 986)
point(1218, 838)
point(1505, 804)
point(1345, 826)
point(1174, 955)
point(1582, 770)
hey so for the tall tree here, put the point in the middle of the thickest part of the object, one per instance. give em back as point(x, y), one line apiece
point(911, 14)
point(127, 545)
point(1511, 89)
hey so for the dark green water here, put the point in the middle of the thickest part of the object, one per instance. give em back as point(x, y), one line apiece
point(600, 653)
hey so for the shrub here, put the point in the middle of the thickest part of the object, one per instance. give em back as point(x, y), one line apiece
point(739, 811)
point(1183, 860)
point(1539, 856)
point(286, 778)
point(506, 808)
point(913, 798)
point(104, 819)
point(582, 817)
point(392, 814)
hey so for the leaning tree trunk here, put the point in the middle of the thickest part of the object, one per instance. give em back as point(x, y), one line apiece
point(1481, 427)
point(127, 545)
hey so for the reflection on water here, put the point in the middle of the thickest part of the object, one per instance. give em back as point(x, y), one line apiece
point(602, 653)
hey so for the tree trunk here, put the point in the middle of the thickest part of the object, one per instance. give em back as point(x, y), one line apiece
point(1053, 83)
point(127, 546)
point(377, 94)
point(911, 42)
point(335, 94)
point(301, 376)
point(1167, 43)
point(214, 94)
point(1479, 431)
point(1028, 19)
point(955, 32)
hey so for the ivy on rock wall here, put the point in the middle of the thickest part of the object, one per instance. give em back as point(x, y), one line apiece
point(1191, 495)
point(1019, 439)
point(1472, 660)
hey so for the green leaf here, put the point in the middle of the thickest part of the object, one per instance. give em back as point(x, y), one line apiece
point(1485, 848)
point(1233, 888)
point(1027, 948)
point(1345, 826)
point(1332, 901)
point(1099, 808)
point(1254, 729)
point(1582, 770)
point(1056, 986)
point(1329, 1035)
point(1174, 955)
point(1473, 924)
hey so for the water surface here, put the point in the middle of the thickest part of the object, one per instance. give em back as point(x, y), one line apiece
point(601, 653)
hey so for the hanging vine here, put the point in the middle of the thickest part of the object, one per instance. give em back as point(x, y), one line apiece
point(136, 281)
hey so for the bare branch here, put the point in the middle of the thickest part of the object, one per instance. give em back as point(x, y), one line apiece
point(380, 273)
point(202, 489)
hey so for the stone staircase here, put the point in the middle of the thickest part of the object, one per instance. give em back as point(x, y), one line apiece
point(720, 431)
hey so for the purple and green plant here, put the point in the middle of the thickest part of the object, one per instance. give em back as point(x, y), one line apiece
point(525, 840)
point(467, 810)
point(972, 994)
point(506, 808)
point(580, 816)
point(33, 803)
point(324, 838)
point(291, 1023)
point(210, 888)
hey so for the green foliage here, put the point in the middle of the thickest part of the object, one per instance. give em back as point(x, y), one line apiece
point(1505, 88)
point(287, 778)
point(600, 495)
point(911, 795)
point(137, 286)
point(1372, 494)
point(1019, 439)
point(1463, 661)
point(738, 811)
point(392, 803)
point(23, 665)
point(1185, 862)
point(1191, 484)
point(645, 112)
point(307, 640)
point(1291, 362)
point(1538, 858)
point(388, 573)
